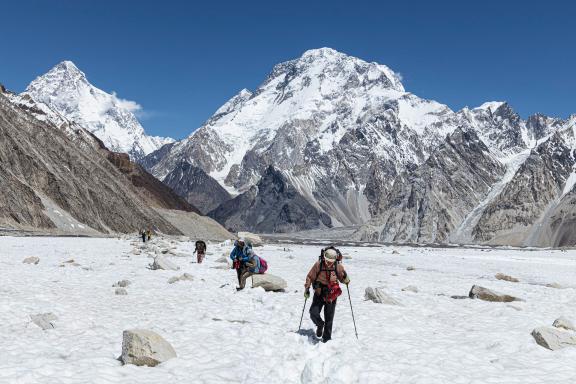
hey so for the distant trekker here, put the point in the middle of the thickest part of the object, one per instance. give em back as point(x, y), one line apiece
point(149, 234)
point(323, 277)
point(143, 234)
point(200, 251)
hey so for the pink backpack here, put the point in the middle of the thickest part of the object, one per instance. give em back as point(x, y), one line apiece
point(263, 266)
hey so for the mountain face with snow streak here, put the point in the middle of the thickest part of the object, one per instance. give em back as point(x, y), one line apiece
point(357, 147)
point(66, 91)
point(326, 120)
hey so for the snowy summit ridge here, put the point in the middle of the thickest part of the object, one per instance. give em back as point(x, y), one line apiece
point(66, 90)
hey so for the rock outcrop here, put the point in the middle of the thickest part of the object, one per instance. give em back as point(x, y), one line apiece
point(377, 295)
point(553, 338)
point(478, 292)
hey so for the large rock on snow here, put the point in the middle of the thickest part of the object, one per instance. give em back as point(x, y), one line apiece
point(269, 282)
point(31, 260)
point(502, 276)
point(162, 263)
point(378, 295)
point(44, 320)
point(553, 338)
point(144, 347)
point(478, 292)
point(121, 292)
point(252, 238)
point(563, 322)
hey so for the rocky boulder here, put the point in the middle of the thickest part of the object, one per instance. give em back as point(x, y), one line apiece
point(31, 260)
point(162, 263)
point(553, 338)
point(144, 347)
point(377, 295)
point(269, 282)
point(478, 292)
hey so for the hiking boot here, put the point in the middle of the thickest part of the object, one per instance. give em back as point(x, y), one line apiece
point(319, 330)
point(239, 288)
point(325, 340)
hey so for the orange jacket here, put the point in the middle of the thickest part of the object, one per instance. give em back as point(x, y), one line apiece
point(311, 276)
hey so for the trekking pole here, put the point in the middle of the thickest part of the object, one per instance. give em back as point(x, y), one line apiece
point(301, 317)
point(352, 310)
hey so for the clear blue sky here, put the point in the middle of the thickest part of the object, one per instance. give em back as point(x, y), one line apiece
point(181, 60)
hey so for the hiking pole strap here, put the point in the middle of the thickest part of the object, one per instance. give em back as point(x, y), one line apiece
point(352, 310)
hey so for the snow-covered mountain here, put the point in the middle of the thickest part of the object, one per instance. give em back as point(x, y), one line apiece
point(358, 148)
point(67, 92)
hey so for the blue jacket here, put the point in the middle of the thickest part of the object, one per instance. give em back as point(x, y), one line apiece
point(244, 255)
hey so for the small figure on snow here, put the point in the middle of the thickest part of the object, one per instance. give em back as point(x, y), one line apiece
point(323, 277)
point(200, 251)
point(143, 235)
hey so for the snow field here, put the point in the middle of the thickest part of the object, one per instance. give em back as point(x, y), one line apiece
point(224, 336)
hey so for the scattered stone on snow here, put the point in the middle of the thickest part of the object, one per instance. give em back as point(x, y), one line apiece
point(145, 347)
point(122, 283)
point(162, 263)
point(502, 276)
point(564, 323)
point(184, 276)
point(410, 268)
point(378, 295)
point(44, 320)
point(395, 252)
point(410, 288)
point(557, 286)
point(121, 291)
point(553, 338)
point(269, 282)
point(31, 260)
point(478, 292)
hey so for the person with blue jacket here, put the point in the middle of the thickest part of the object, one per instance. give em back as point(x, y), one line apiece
point(244, 261)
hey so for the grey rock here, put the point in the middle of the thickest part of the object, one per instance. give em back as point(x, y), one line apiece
point(44, 320)
point(377, 295)
point(145, 347)
point(553, 338)
point(183, 277)
point(563, 322)
point(161, 262)
point(478, 292)
point(31, 260)
point(120, 292)
point(410, 288)
point(269, 282)
point(122, 283)
point(252, 238)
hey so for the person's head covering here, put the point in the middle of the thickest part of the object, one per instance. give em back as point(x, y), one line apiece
point(330, 254)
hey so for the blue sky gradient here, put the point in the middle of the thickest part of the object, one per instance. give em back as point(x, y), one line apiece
point(181, 60)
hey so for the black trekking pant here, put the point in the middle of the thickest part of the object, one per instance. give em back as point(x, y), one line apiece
point(329, 309)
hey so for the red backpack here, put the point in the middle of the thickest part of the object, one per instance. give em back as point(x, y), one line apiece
point(331, 291)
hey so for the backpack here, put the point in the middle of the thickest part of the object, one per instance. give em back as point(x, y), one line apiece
point(263, 266)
